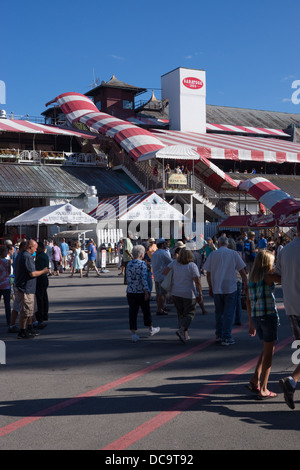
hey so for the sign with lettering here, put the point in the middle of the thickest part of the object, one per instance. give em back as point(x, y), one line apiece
point(177, 178)
point(192, 83)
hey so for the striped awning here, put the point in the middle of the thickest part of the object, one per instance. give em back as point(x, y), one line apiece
point(246, 130)
point(228, 128)
point(257, 221)
point(134, 140)
point(232, 147)
point(117, 206)
point(278, 201)
point(12, 125)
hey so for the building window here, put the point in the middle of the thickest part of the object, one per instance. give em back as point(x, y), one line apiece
point(98, 104)
point(127, 104)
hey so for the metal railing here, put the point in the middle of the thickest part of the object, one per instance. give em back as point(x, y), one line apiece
point(50, 157)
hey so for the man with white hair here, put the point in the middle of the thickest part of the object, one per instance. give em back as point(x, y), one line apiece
point(222, 266)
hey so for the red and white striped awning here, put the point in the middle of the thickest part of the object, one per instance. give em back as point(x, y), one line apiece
point(278, 201)
point(256, 221)
point(135, 140)
point(232, 147)
point(150, 121)
point(246, 130)
point(11, 125)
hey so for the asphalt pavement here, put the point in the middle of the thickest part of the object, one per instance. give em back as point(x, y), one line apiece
point(83, 385)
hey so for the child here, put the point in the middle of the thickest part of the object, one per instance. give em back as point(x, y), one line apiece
point(263, 318)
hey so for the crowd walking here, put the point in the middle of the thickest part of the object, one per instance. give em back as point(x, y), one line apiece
point(235, 268)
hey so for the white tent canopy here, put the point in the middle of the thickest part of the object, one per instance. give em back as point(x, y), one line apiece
point(52, 215)
point(177, 152)
point(62, 214)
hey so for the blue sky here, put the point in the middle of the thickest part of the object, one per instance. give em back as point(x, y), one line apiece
point(250, 50)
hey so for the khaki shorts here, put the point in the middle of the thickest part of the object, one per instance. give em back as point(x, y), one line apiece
point(159, 289)
point(91, 264)
point(26, 302)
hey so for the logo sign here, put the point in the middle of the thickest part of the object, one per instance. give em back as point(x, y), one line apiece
point(193, 83)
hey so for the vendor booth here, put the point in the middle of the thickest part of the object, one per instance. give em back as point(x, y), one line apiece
point(54, 216)
point(142, 215)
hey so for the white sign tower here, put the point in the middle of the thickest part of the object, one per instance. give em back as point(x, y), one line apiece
point(186, 91)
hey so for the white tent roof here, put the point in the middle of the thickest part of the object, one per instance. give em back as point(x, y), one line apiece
point(142, 206)
point(50, 215)
point(177, 152)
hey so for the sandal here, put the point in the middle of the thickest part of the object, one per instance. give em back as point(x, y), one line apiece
point(253, 388)
point(266, 397)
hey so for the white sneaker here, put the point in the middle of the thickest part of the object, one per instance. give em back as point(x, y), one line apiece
point(154, 330)
point(135, 338)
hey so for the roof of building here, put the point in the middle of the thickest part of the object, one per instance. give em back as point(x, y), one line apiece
point(57, 182)
point(115, 83)
point(250, 117)
point(227, 115)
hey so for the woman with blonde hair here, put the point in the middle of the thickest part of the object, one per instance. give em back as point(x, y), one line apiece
point(77, 262)
point(186, 290)
point(263, 319)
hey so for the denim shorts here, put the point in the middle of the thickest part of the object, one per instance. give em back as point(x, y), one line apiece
point(266, 327)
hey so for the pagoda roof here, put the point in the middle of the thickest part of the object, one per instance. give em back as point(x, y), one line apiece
point(115, 83)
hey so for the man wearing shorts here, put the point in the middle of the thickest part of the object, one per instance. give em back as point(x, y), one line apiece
point(288, 268)
point(25, 283)
point(64, 247)
point(92, 253)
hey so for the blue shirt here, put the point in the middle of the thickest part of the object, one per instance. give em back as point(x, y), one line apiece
point(91, 252)
point(64, 249)
point(262, 243)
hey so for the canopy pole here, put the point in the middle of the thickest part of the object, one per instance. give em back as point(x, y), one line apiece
point(37, 232)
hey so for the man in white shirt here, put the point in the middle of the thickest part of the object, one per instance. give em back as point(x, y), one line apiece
point(160, 259)
point(288, 268)
point(222, 266)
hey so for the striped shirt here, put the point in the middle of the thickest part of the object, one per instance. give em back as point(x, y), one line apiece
point(262, 299)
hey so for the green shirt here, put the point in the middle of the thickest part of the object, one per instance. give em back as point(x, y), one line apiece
point(127, 247)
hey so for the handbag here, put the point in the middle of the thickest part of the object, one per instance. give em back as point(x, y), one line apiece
point(81, 256)
point(167, 283)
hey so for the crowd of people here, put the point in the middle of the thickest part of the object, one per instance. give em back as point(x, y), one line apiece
point(24, 279)
point(235, 267)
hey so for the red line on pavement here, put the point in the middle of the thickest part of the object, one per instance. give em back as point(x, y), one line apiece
point(162, 418)
point(104, 388)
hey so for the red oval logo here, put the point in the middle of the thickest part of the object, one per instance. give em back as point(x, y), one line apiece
point(193, 83)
